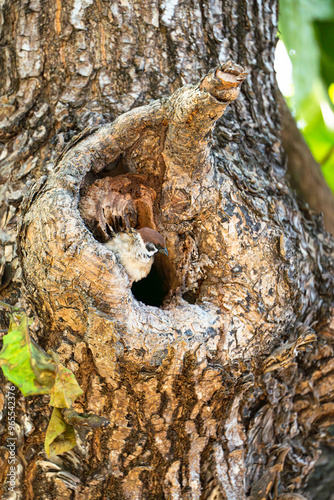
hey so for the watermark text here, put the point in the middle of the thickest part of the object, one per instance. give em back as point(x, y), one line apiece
point(11, 439)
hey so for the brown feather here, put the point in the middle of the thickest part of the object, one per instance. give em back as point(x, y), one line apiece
point(152, 236)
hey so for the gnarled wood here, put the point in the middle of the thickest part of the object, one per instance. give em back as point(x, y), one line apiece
point(221, 392)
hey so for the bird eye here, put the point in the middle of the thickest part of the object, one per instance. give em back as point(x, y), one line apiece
point(151, 248)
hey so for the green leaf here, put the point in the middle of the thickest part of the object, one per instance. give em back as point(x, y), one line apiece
point(328, 171)
point(324, 32)
point(89, 419)
point(331, 92)
point(307, 29)
point(298, 34)
point(60, 435)
point(66, 389)
point(319, 137)
point(23, 362)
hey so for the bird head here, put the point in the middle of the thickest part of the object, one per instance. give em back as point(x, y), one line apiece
point(153, 241)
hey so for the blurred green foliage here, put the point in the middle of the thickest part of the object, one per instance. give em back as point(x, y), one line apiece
point(307, 30)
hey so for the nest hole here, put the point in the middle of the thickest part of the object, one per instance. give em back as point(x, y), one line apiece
point(116, 200)
point(190, 296)
point(112, 169)
point(155, 288)
point(117, 167)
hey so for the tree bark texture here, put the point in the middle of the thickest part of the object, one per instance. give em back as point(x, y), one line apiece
point(225, 390)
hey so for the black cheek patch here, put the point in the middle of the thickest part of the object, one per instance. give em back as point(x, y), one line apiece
point(151, 248)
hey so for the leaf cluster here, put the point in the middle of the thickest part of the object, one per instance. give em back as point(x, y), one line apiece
point(34, 372)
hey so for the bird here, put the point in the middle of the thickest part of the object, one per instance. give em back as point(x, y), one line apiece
point(135, 250)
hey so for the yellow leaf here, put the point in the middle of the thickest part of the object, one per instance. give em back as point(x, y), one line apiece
point(60, 435)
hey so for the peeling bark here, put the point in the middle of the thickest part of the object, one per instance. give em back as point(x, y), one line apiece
point(225, 390)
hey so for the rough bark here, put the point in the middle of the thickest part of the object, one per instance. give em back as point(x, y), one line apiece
point(222, 392)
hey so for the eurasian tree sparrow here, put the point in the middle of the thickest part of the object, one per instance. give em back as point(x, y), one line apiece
point(136, 249)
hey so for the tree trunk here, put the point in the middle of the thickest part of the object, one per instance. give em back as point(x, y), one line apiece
point(220, 388)
point(304, 172)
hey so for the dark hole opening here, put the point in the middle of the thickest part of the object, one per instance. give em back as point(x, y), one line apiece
point(190, 297)
point(153, 289)
point(103, 224)
point(113, 169)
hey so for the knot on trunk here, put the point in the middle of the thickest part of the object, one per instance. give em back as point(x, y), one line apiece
point(150, 167)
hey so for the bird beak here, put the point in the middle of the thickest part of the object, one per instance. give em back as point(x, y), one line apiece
point(164, 251)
